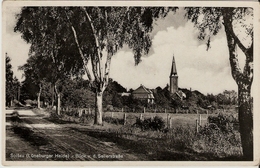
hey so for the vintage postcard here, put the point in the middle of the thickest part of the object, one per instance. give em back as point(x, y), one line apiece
point(101, 83)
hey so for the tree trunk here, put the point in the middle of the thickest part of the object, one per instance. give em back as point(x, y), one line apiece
point(244, 81)
point(38, 100)
point(39, 97)
point(245, 115)
point(99, 109)
point(58, 104)
point(52, 96)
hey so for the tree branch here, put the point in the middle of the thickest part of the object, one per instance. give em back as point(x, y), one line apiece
point(94, 64)
point(107, 70)
point(235, 69)
point(85, 62)
point(98, 49)
point(233, 40)
point(249, 68)
point(228, 19)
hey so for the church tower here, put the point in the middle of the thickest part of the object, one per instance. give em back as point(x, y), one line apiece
point(173, 78)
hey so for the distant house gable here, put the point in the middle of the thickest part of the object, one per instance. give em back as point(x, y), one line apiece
point(143, 93)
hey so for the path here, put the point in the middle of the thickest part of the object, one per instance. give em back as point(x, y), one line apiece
point(32, 137)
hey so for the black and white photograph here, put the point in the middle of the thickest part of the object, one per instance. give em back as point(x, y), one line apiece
point(130, 81)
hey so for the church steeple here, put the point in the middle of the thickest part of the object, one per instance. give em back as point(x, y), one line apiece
point(174, 70)
point(173, 78)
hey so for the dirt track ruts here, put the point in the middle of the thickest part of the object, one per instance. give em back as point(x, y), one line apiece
point(62, 139)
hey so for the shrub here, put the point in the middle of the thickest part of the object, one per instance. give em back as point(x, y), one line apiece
point(156, 124)
point(223, 122)
point(113, 120)
point(212, 139)
point(109, 108)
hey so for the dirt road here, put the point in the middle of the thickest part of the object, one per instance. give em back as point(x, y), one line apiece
point(29, 136)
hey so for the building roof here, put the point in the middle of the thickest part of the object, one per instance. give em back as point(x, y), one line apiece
point(143, 90)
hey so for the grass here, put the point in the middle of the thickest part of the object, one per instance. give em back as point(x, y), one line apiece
point(181, 142)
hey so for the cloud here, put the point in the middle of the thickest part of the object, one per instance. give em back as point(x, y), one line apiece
point(206, 71)
point(14, 45)
point(199, 69)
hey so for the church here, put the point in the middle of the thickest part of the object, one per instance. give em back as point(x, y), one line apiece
point(144, 93)
point(174, 83)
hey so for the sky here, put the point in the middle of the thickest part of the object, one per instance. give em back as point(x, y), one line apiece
point(198, 69)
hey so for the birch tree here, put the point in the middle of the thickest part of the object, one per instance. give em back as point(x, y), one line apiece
point(101, 31)
point(237, 26)
point(89, 35)
point(34, 74)
point(44, 28)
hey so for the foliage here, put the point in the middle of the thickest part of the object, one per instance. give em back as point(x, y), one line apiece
point(222, 122)
point(209, 21)
point(74, 94)
point(116, 101)
point(11, 83)
point(111, 120)
point(156, 124)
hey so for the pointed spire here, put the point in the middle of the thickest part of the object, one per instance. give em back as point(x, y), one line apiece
point(174, 70)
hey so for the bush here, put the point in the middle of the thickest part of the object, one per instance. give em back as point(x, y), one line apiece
point(113, 120)
point(223, 122)
point(213, 140)
point(156, 124)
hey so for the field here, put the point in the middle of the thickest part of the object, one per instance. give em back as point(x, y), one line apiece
point(176, 119)
point(181, 135)
point(178, 143)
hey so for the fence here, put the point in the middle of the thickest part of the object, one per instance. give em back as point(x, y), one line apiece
point(171, 120)
point(196, 120)
point(158, 110)
point(140, 110)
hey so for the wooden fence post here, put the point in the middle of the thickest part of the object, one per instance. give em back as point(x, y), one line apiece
point(124, 118)
point(167, 119)
point(165, 110)
point(170, 123)
point(122, 110)
point(197, 126)
point(141, 116)
point(80, 112)
point(144, 109)
point(200, 119)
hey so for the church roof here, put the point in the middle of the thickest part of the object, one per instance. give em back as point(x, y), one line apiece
point(174, 70)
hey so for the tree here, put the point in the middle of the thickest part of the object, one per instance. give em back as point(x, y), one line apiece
point(209, 21)
point(8, 80)
point(11, 83)
point(94, 31)
point(45, 29)
point(34, 73)
point(231, 96)
point(99, 30)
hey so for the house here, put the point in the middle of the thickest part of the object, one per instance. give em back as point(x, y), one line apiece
point(143, 93)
